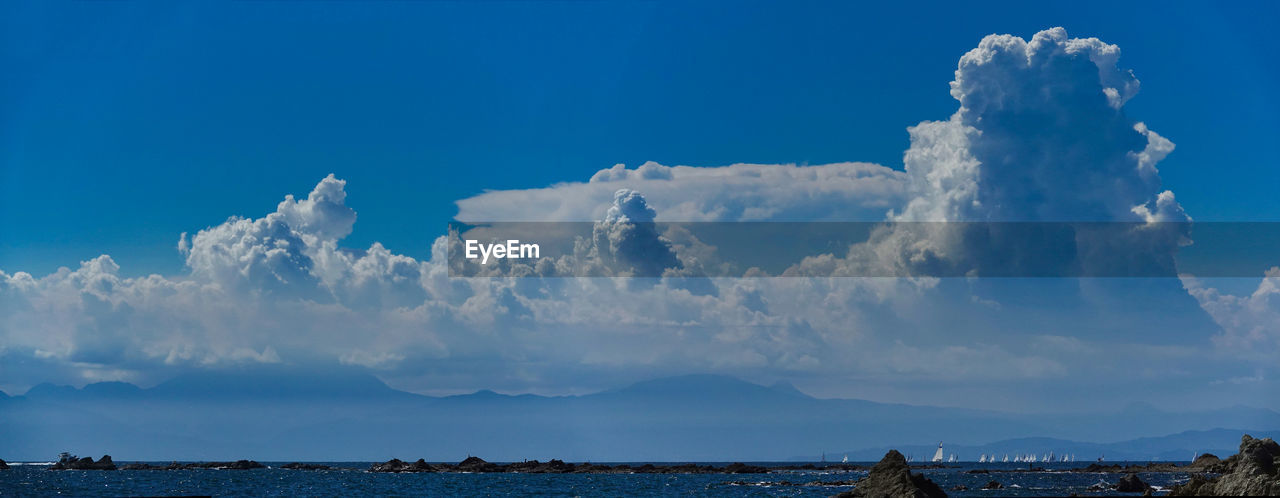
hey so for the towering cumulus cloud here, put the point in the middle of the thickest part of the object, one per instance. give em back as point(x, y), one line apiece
point(627, 242)
point(1040, 134)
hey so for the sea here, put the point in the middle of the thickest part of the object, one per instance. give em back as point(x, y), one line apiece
point(353, 480)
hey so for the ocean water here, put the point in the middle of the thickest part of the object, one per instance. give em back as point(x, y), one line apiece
point(36, 480)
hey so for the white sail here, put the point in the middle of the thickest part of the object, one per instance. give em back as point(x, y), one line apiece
point(846, 459)
point(937, 456)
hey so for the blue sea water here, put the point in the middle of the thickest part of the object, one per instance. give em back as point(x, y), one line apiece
point(36, 480)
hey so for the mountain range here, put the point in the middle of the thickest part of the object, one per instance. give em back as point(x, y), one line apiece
point(350, 415)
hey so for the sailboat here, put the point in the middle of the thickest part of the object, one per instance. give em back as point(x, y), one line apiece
point(845, 459)
point(1006, 458)
point(937, 456)
point(982, 459)
point(952, 459)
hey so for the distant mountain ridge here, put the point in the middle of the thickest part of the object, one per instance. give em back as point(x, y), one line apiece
point(1182, 446)
point(348, 414)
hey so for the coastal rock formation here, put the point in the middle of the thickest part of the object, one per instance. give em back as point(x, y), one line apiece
point(892, 477)
point(396, 465)
point(992, 485)
point(1096, 468)
point(305, 466)
point(1206, 461)
point(742, 468)
point(479, 465)
point(4, 465)
point(827, 484)
point(70, 462)
point(1130, 483)
point(236, 465)
point(476, 464)
point(1251, 472)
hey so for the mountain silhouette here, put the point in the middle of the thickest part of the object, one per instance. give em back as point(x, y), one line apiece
point(290, 413)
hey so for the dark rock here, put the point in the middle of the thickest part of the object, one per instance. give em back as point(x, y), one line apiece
point(1100, 486)
point(742, 468)
point(397, 465)
point(893, 477)
point(236, 465)
point(1251, 472)
point(992, 485)
point(476, 464)
point(978, 471)
point(1130, 483)
point(552, 466)
point(70, 462)
point(305, 466)
point(239, 465)
point(1206, 461)
point(959, 487)
point(4, 465)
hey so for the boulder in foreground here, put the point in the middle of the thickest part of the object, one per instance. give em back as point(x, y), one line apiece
point(1130, 483)
point(892, 477)
point(1251, 472)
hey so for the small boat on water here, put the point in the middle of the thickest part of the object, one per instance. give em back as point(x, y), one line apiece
point(937, 456)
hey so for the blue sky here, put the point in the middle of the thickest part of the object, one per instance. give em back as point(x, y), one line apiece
point(124, 125)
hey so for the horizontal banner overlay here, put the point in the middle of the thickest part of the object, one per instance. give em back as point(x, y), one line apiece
point(862, 249)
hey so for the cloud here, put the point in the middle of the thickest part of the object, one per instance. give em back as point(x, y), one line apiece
point(1250, 323)
point(1039, 135)
point(739, 192)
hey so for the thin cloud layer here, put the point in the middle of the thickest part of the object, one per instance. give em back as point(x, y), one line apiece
point(740, 192)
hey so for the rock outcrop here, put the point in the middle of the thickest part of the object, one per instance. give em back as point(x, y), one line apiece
point(476, 464)
point(479, 465)
point(236, 465)
point(1130, 483)
point(3, 464)
point(993, 485)
point(396, 465)
point(892, 477)
point(70, 462)
point(1206, 461)
point(1251, 472)
point(305, 466)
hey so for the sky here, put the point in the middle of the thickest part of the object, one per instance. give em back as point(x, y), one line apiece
point(136, 130)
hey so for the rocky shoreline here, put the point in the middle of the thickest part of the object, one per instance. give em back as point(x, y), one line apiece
point(70, 462)
point(478, 465)
point(236, 465)
point(1254, 471)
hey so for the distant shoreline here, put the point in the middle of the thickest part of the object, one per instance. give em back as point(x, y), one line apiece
point(555, 466)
